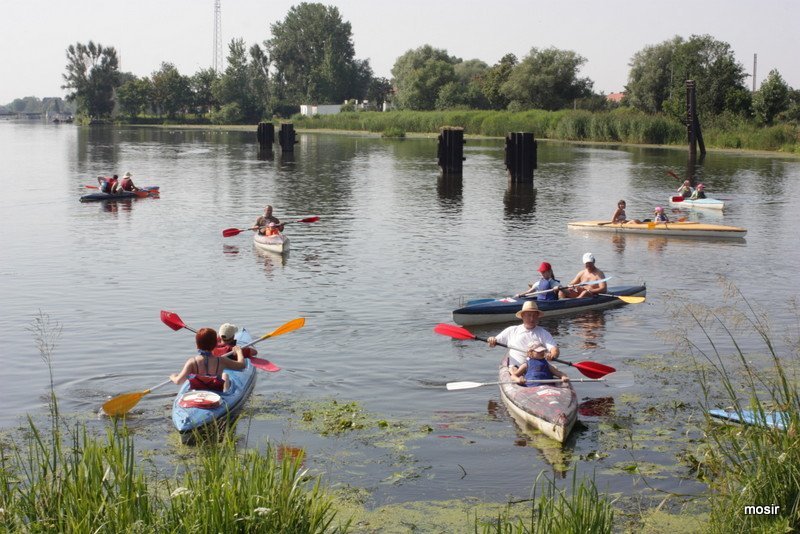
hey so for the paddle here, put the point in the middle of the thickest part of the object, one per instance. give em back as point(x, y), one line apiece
point(230, 232)
point(174, 321)
point(624, 298)
point(122, 404)
point(453, 386)
point(590, 369)
point(589, 283)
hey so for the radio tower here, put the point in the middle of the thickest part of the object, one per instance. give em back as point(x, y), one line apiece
point(217, 64)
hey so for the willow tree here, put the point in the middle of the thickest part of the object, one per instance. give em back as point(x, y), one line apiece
point(92, 75)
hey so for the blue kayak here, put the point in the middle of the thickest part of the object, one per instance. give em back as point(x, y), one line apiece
point(221, 407)
point(93, 197)
point(779, 420)
point(490, 311)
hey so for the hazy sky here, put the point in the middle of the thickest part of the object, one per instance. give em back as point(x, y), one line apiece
point(36, 33)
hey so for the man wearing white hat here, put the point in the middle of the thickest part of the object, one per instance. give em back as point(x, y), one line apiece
point(526, 335)
point(126, 184)
point(590, 273)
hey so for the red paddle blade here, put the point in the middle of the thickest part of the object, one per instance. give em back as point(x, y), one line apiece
point(142, 194)
point(264, 365)
point(309, 219)
point(593, 369)
point(172, 320)
point(671, 173)
point(91, 187)
point(677, 199)
point(230, 232)
point(456, 332)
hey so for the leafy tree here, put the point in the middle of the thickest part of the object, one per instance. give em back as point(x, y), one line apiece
point(243, 84)
point(494, 79)
point(771, 99)
point(92, 75)
point(171, 92)
point(420, 74)
point(201, 85)
point(650, 78)
point(134, 96)
point(313, 54)
point(547, 79)
point(379, 90)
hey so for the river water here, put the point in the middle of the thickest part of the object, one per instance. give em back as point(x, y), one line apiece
point(395, 251)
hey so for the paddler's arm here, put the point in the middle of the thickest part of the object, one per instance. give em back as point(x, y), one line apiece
point(239, 363)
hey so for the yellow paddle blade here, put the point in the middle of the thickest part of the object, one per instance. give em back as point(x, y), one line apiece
point(122, 404)
point(631, 300)
point(651, 225)
point(291, 326)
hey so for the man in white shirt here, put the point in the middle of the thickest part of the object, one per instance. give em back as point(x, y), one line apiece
point(526, 336)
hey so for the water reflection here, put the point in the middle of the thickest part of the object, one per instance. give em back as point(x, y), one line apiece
point(597, 407)
point(230, 249)
point(114, 206)
point(270, 260)
point(450, 189)
point(519, 199)
point(618, 241)
point(266, 153)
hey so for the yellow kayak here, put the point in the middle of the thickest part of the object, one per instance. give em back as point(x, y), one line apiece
point(686, 228)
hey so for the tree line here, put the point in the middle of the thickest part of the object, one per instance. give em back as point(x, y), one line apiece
point(310, 58)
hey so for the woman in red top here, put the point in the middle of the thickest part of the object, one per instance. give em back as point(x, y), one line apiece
point(205, 371)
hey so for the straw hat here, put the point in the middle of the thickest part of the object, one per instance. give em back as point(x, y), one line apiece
point(529, 306)
point(128, 175)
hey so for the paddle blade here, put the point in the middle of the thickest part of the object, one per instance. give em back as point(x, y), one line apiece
point(172, 320)
point(291, 326)
point(671, 173)
point(456, 332)
point(593, 369)
point(631, 300)
point(309, 219)
point(264, 365)
point(230, 232)
point(620, 379)
point(454, 386)
point(91, 187)
point(677, 199)
point(122, 404)
point(143, 194)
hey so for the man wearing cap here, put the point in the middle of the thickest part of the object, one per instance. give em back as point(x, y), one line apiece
point(227, 340)
point(544, 285)
point(590, 273)
point(526, 335)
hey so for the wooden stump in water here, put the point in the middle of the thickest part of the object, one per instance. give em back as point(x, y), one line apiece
point(520, 157)
point(451, 151)
point(287, 137)
point(265, 134)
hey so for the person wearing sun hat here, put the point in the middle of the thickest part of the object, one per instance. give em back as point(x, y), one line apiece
point(546, 283)
point(227, 340)
point(590, 273)
point(525, 335)
point(699, 193)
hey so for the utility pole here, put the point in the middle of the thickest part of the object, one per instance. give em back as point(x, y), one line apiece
point(217, 62)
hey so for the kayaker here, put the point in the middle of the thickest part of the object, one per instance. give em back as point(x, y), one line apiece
point(659, 215)
point(589, 273)
point(619, 216)
point(527, 334)
point(126, 184)
point(107, 184)
point(545, 283)
point(205, 372)
point(536, 367)
point(698, 193)
point(267, 224)
point(685, 189)
point(227, 340)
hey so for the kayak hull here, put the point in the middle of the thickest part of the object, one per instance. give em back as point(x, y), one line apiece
point(504, 310)
point(278, 243)
point(779, 420)
point(683, 229)
point(96, 197)
point(700, 203)
point(191, 420)
point(551, 409)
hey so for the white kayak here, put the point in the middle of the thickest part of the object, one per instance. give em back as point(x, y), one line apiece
point(273, 243)
point(705, 203)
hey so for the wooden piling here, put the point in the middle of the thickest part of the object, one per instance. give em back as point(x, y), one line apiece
point(265, 134)
point(520, 157)
point(450, 151)
point(287, 137)
point(692, 122)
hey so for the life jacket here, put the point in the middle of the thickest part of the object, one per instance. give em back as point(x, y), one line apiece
point(543, 285)
point(207, 381)
point(224, 348)
point(111, 183)
point(126, 184)
point(538, 370)
point(105, 186)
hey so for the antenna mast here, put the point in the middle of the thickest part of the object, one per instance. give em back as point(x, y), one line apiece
point(217, 63)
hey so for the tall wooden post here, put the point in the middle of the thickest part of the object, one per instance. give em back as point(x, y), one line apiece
point(286, 137)
point(692, 122)
point(450, 151)
point(520, 157)
point(265, 134)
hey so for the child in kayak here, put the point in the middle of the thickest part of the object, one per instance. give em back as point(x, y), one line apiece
point(685, 190)
point(204, 371)
point(659, 215)
point(227, 341)
point(268, 224)
point(545, 283)
point(699, 193)
point(536, 367)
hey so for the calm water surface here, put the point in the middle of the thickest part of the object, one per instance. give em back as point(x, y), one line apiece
point(395, 251)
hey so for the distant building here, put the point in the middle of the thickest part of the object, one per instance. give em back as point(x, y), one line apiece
point(309, 110)
point(615, 97)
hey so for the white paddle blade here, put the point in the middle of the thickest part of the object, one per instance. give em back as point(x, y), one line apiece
point(453, 386)
point(619, 379)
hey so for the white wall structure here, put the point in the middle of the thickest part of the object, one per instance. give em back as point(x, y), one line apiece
point(309, 110)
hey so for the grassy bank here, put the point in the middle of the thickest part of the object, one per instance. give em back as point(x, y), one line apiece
point(618, 126)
